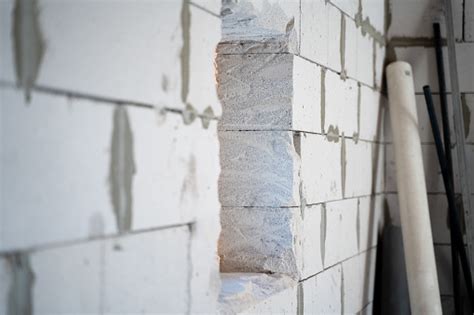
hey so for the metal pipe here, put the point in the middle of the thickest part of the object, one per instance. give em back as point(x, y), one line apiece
point(447, 151)
point(454, 216)
point(459, 130)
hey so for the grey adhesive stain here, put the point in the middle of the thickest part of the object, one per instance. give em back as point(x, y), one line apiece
point(96, 225)
point(186, 48)
point(358, 224)
point(160, 115)
point(342, 48)
point(190, 182)
point(374, 63)
point(20, 297)
point(387, 15)
point(297, 142)
point(342, 290)
point(300, 299)
point(359, 97)
point(207, 115)
point(323, 98)
point(322, 229)
point(122, 169)
point(302, 199)
point(164, 83)
point(367, 28)
point(333, 134)
point(189, 114)
point(343, 164)
point(28, 44)
point(466, 115)
point(290, 26)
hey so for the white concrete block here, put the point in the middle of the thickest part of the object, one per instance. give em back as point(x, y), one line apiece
point(371, 115)
point(439, 215)
point(306, 110)
point(321, 168)
point(205, 33)
point(277, 91)
point(279, 240)
point(380, 52)
point(284, 302)
point(259, 168)
point(341, 105)
point(334, 38)
point(369, 309)
point(438, 205)
point(365, 62)
point(341, 234)
point(351, 52)
point(374, 11)
point(323, 293)
point(7, 63)
point(137, 274)
point(315, 31)
point(176, 169)
point(213, 6)
point(464, 53)
point(423, 62)
point(257, 293)
point(55, 168)
point(261, 240)
point(444, 268)
point(270, 26)
point(349, 7)
point(359, 175)
point(415, 18)
point(393, 208)
point(468, 21)
point(312, 244)
point(358, 281)
point(371, 220)
point(255, 91)
point(424, 123)
point(5, 283)
point(68, 279)
point(378, 158)
point(433, 178)
point(126, 51)
point(103, 276)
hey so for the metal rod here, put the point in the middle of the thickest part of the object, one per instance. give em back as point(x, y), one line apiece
point(454, 216)
point(459, 129)
point(449, 161)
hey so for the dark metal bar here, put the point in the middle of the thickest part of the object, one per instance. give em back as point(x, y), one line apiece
point(447, 151)
point(455, 226)
point(462, 160)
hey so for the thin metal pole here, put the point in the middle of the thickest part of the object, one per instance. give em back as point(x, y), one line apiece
point(449, 161)
point(454, 216)
point(459, 129)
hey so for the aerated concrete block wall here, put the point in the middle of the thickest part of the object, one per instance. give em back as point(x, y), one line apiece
point(302, 151)
point(410, 39)
point(109, 157)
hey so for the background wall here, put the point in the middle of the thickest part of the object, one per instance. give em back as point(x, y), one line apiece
point(109, 157)
point(411, 40)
